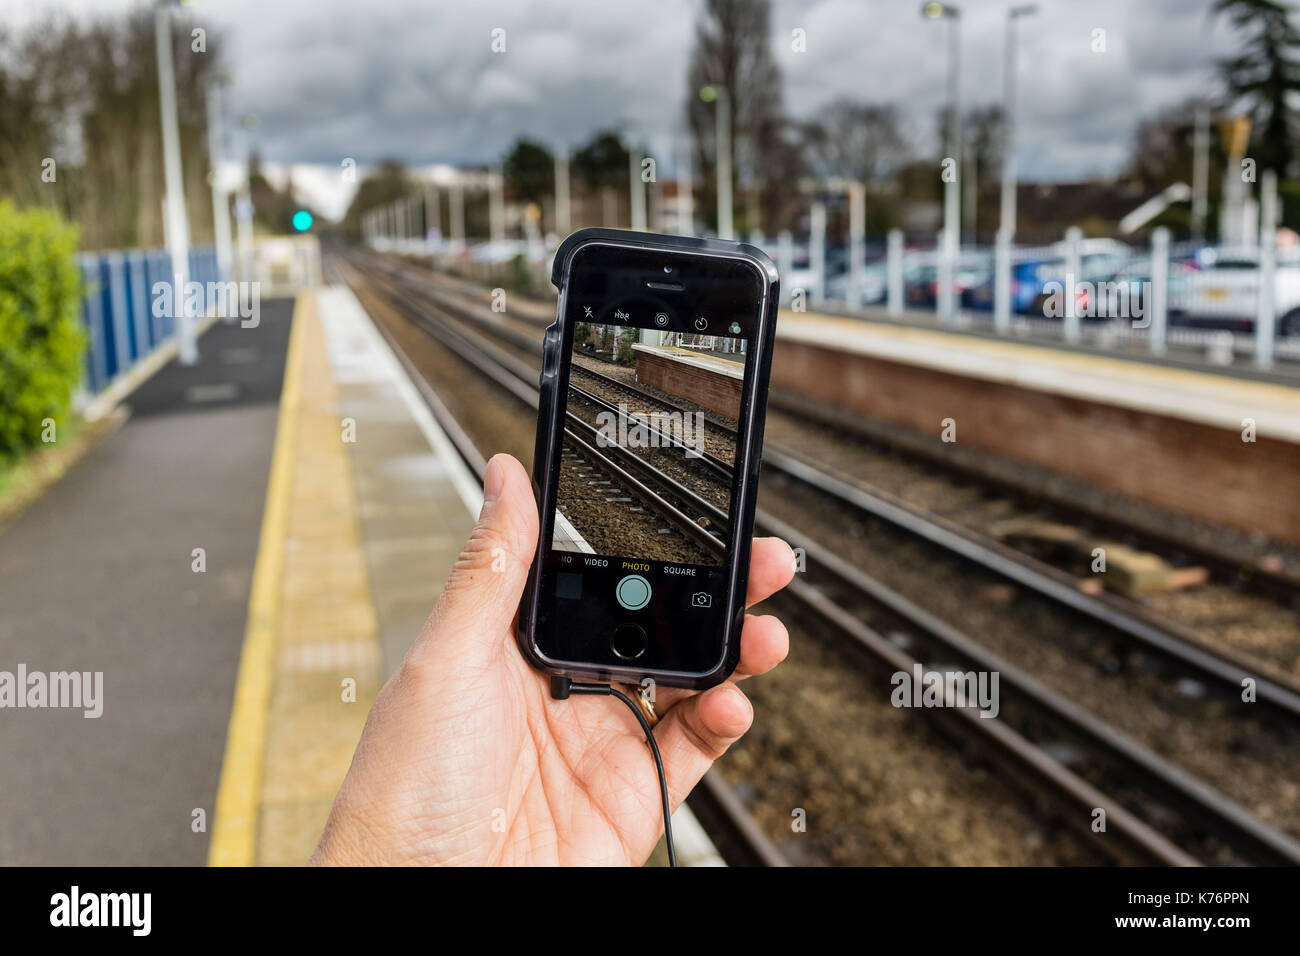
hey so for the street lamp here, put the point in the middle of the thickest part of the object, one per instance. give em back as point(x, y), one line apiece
point(563, 217)
point(952, 188)
point(177, 227)
point(636, 189)
point(1007, 225)
point(496, 204)
point(244, 200)
point(685, 198)
point(1009, 119)
point(722, 120)
point(220, 203)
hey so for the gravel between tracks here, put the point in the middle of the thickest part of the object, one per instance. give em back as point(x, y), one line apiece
point(1245, 757)
point(620, 527)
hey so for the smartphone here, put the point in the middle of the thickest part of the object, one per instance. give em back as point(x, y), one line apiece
point(649, 435)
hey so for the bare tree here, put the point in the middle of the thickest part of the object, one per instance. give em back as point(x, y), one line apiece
point(732, 50)
point(1162, 148)
point(856, 140)
point(84, 94)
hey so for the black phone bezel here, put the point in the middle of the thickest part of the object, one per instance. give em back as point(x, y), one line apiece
point(750, 426)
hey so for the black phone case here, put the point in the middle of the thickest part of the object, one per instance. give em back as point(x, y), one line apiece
point(550, 435)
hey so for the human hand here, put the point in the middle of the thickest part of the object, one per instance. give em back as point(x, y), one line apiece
point(466, 759)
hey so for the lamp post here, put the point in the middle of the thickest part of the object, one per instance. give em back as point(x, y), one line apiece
point(563, 216)
point(636, 191)
point(244, 201)
point(952, 188)
point(220, 202)
point(178, 244)
point(722, 134)
point(685, 198)
point(497, 204)
point(457, 212)
point(1007, 224)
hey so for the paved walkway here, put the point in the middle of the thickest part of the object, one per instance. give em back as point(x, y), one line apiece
point(98, 575)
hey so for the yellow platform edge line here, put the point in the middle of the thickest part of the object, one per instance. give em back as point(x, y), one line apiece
point(238, 804)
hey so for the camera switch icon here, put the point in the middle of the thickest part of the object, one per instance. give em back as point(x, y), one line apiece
point(701, 599)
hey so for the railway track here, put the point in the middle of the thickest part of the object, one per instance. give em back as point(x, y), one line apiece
point(1040, 712)
point(649, 506)
point(1234, 566)
point(1213, 665)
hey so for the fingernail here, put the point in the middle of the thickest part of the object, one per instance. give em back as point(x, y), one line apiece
point(494, 481)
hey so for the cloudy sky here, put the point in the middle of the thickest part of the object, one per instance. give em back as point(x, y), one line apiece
point(417, 79)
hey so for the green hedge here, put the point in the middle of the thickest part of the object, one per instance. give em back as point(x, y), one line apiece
point(41, 338)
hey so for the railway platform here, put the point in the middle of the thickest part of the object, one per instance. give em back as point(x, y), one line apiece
point(134, 568)
point(710, 381)
point(367, 507)
point(368, 504)
point(236, 569)
point(1118, 424)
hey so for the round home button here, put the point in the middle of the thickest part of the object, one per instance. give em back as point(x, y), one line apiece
point(628, 642)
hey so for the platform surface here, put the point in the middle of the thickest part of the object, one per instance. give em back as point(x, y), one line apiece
point(99, 574)
point(696, 358)
point(367, 508)
point(1202, 397)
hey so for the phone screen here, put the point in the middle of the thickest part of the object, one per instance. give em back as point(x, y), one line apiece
point(655, 372)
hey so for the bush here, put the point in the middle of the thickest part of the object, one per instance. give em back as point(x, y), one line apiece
point(625, 354)
point(41, 339)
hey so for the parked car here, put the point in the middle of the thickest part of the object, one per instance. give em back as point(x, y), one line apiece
point(800, 275)
point(921, 281)
point(874, 285)
point(1225, 292)
point(1035, 268)
point(1133, 281)
point(1027, 280)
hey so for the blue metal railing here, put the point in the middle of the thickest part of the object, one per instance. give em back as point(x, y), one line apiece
point(117, 309)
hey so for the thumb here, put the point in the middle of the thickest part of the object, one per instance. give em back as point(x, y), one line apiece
point(482, 595)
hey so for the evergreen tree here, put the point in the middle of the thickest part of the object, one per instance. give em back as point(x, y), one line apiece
point(1266, 75)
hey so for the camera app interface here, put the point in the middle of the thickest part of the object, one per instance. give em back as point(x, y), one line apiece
point(646, 477)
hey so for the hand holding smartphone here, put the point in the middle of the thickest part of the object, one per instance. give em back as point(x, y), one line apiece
point(650, 427)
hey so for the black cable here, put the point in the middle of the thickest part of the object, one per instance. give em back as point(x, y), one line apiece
point(562, 687)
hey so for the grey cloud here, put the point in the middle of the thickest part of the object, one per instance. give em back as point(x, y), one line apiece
point(417, 80)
